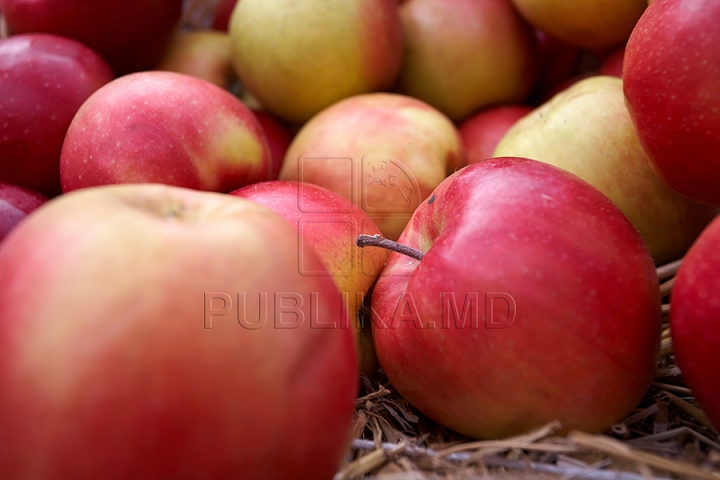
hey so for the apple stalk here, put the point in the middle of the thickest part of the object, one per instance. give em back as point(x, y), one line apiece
point(377, 240)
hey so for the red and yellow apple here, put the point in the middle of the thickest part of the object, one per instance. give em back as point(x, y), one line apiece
point(463, 55)
point(149, 331)
point(329, 224)
point(384, 152)
point(536, 300)
point(164, 127)
point(297, 58)
point(587, 130)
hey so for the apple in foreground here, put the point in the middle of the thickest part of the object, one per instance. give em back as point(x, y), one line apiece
point(587, 130)
point(164, 127)
point(149, 331)
point(44, 79)
point(130, 34)
point(535, 300)
point(297, 58)
point(16, 203)
point(382, 151)
point(329, 223)
point(482, 132)
point(464, 55)
point(670, 78)
point(695, 320)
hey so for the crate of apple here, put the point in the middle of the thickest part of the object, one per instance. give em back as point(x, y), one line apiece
point(199, 201)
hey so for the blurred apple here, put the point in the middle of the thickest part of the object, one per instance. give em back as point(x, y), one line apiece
point(536, 300)
point(130, 34)
point(278, 138)
point(670, 76)
point(43, 79)
point(330, 224)
point(300, 57)
point(585, 24)
point(463, 55)
point(222, 15)
point(613, 64)
point(16, 203)
point(556, 60)
point(695, 320)
point(201, 53)
point(164, 127)
point(384, 152)
point(587, 130)
point(124, 355)
point(482, 132)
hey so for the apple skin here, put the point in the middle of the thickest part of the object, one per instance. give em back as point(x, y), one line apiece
point(44, 80)
point(557, 60)
point(613, 64)
point(582, 345)
point(130, 34)
point(464, 55)
point(384, 152)
point(222, 15)
point(584, 24)
point(483, 131)
point(297, 58)
point(330, 224)
point(164, 127)
point(670, 81)
point(201, 53)
point(278, 137)
point(107, 366)
point(16, 203)
point(695, 320)
point(587, 130)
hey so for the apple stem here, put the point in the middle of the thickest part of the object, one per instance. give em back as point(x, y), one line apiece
point(378, 241)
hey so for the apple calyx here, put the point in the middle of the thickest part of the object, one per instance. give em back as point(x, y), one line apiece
point(382, 242)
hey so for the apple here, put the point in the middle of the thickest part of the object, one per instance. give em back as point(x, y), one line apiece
point(164, 127)
point(695, 320)
point(278, 137)
point(201, 53)
point(130, 34)
point(16, 203)
point(556, 60)
point(535, 300)
point(464, 55)
point(329, 223)
point(384, 152)
point(44, 79)
point(613, 64)
point(670, 77)
point(223, 11)
point(585, 24)
point(482, 131)
point(149, 331)
point(587, 130)
point(297, 58)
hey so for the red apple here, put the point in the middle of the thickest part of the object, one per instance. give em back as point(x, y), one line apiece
point(329, 223)
point(150, 332)
point(670, 78)
point(536, 300)
point(222, 15)
point(130, 34)
point(15, 204)
point(695, 320)
point(384, 152)
point(278, 138)
point(613, 64)
point(43, 79)
point(298, 58)
point(164, 127)
point(463, 55)
point(482, 132)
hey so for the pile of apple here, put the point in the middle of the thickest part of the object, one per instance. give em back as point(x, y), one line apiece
point(183, 263)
